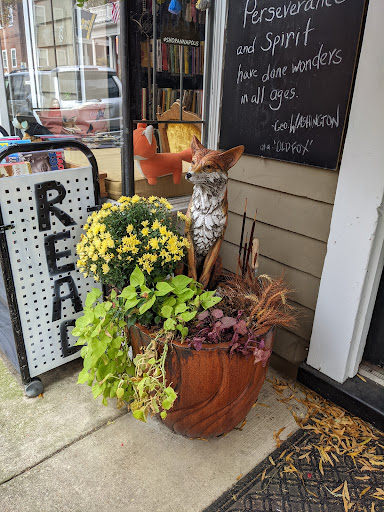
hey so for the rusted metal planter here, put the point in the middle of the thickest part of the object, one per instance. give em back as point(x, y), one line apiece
point(215, 389)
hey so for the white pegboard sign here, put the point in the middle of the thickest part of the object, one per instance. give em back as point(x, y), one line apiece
point(47, 212)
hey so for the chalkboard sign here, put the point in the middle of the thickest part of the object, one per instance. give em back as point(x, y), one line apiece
point(288, 72)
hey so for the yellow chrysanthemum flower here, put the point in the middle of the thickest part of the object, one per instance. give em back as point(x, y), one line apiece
point(156, 225)
point(181, 216)
point(154, 243)
point(145, 231)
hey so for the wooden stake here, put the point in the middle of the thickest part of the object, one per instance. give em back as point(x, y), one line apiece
point(242, 236)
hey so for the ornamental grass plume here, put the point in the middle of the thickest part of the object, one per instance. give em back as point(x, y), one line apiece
point(136, 231)
point(263, 300)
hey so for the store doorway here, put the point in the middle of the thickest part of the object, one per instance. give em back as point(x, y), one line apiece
point(374, 348)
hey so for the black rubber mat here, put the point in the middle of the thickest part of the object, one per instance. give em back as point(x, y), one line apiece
point(269, 488)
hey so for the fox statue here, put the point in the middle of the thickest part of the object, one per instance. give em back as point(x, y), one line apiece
point(208, 210)
point(153, 164)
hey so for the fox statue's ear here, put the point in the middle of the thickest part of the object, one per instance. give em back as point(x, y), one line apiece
point(231, 157)
point(196, 144)
point(148, 132)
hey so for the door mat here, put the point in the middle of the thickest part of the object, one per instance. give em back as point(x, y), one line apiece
point(290, 480)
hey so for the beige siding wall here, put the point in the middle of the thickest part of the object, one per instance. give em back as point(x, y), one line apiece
point(294, 207)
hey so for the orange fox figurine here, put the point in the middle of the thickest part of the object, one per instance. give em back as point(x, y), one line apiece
point(152, 164)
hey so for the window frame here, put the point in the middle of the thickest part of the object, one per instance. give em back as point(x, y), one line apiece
point(13, 58)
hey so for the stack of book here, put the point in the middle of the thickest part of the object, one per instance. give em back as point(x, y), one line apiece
point(29, 162)
point(168, 57)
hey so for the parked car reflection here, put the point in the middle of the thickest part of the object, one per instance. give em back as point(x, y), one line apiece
point(68, 100)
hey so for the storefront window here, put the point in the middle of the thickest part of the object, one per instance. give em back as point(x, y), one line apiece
point(62, 78)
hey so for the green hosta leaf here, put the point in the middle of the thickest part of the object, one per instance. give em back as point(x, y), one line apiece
point(92, 297)
point(104, 402)
point(147, 305)
point(187, 316)
point(180, 308)
point(120, 392)
point(137, 277)
point(163, 288)
point(113, 294)
point(169, 324)
point(180, 282)
point(166, 311)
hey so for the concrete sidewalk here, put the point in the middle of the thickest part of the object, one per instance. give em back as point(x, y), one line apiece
point(66, 452)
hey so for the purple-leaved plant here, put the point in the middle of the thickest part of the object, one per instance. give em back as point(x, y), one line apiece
point(214, 327)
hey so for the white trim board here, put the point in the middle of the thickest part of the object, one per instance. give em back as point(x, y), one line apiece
point(354, 259)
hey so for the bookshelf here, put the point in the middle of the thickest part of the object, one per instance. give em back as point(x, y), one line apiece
point(172, 67)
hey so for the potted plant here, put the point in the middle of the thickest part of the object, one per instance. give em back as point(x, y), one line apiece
point(158, 342)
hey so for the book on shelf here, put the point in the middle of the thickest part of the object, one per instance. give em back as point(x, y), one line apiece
point(168, 57)
point(15, 169)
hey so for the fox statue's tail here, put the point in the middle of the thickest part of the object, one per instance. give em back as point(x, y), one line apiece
point(186, 155)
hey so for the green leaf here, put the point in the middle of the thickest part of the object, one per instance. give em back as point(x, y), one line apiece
point(180, 281)
point(113, 295)
point(170, 324)
point(166, 311)
point(83, 377)
point(139, 415)
point(180, 308)
point(128, 292)
point(97, 390)
point(163, 288)
point(187, 316)
point(147, 305)
point(183, 330)
point(100, 310)
point(84, 320)
point(211, 302)
point(131, 303)
point(119, 392)
point(163, 415)
point(185, 295)
point(92, 297)
point(137, 277)
point(208, 300)
point(171, 397)
point(171, 301)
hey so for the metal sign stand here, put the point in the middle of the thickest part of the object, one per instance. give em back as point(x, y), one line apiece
point(41, 218)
